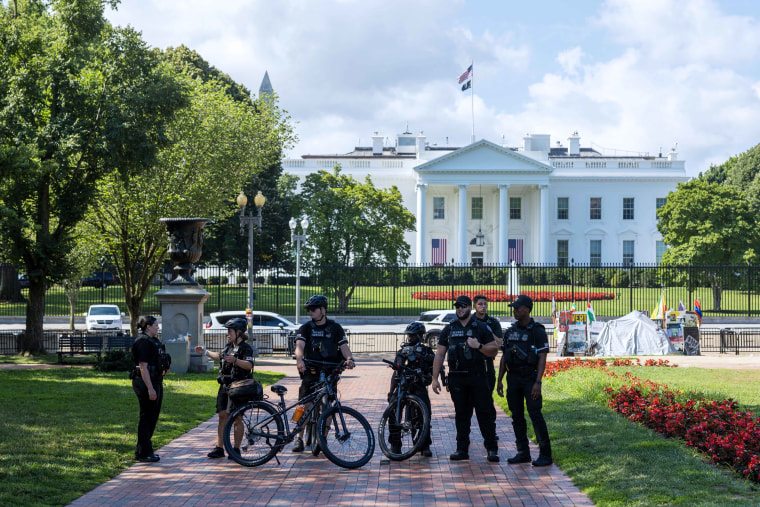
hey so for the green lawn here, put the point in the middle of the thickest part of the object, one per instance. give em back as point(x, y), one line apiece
point(67, 430)
point(618, 463)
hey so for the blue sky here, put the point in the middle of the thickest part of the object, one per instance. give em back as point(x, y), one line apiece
point(631, 76)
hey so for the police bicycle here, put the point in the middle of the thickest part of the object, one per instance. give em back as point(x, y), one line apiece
point(343, 434)
point(405, 424)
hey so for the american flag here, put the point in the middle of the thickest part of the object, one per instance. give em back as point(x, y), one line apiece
point(515, 250)
point(439, 251)
point(466, 75)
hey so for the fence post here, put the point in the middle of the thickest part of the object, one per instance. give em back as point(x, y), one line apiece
point(219, 289)
point(630, 289)
point(691, 293)
point(395, 272)
point(572, 280)
point(749, 290)
point(452, 279)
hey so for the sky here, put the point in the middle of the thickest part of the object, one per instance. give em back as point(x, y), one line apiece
point(630, 76)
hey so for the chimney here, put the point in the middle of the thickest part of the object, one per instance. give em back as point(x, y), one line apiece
point(377, 144)
point(527, 143)
point(575, 144)
point(420, 144)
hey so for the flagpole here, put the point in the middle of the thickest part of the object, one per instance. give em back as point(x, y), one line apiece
point(472, 98)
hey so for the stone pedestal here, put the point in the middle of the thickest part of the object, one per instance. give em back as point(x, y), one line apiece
point(182, 314)
point(180, 352)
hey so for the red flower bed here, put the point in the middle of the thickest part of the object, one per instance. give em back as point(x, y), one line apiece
point(500, 295)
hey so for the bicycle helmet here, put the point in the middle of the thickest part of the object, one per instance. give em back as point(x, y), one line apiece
point(316, 302)
point(238, 324)
point(415, 328)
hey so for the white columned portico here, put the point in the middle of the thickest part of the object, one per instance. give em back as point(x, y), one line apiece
point(421, 222)
point(503, 225)
point(462, 224)
point(543, 224)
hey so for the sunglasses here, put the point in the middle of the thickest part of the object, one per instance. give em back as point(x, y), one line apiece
point(312, 308)
point(461, 306)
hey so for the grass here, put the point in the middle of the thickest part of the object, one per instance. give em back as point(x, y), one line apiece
point(618, 463)
point(67, 430)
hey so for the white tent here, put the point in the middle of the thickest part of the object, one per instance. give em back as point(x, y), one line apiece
point(632, 335)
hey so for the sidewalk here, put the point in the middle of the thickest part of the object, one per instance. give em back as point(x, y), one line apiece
point(184, 476)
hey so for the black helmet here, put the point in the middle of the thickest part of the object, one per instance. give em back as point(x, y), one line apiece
point(316, 302)
point(238, 324)
point(415, 328)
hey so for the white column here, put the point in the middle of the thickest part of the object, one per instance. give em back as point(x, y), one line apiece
point(503, 224)
point(543, 224)
point(462, 224)
point(421, 207)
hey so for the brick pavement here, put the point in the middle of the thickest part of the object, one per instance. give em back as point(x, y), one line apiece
point(184, 476)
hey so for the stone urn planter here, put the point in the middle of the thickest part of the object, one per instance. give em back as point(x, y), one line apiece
point(185, 246)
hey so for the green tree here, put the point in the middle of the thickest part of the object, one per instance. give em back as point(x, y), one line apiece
point(744, 174)
point(217, 143)
point(79, 100)
point(708, 224)
point(353, 225)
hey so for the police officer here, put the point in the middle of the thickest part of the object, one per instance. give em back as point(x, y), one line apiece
point(524, 360)
point(480, 303)
point(151, 364)
point(468, 343)
point(235, 363)
point(414, 354)
point(321, 339)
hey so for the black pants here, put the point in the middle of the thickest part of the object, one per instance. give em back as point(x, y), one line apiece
point(422, 393)
point(468, 392)
point(149, 410)
point(518, 389)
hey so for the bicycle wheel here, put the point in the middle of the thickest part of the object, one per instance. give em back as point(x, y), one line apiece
point(401, 437)
point(346, 437)
point(263, 432)
point(314, 441)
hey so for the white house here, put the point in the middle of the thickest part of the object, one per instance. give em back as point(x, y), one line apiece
point(487, 203)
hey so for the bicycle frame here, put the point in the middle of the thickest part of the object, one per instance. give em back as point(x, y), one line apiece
point(404, 373)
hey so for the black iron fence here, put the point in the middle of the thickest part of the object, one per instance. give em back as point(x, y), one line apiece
point(724, 341)
point(401, 291)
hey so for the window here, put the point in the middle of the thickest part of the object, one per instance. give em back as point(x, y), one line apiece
point(439, 208)
point(477, 208)
point(627, 208)
point(595, 208)
point(515, 208)
point(660, 248)
point(595, 252)
point(562, 252)
point(476, 258)
point(659, 203)
point(627, 252)
point(563, 208)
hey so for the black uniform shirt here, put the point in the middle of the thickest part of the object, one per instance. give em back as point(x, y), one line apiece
point(474, 328)
point(146, 350)
point(242, 351)
point(322, 342)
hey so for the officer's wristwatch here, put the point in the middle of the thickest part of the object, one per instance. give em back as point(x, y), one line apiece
point(480, 346)
point(538, 381)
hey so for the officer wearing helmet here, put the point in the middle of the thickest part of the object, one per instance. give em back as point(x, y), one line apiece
point(416, 355)
point(320, 339)
point(235, 363)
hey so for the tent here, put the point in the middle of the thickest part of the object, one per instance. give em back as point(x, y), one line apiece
point(632, 335)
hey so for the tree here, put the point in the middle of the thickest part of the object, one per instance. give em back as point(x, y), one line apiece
point(79, 100)
point(709, 224)
point(216, 144)
point(353, 225)
point(744, 174)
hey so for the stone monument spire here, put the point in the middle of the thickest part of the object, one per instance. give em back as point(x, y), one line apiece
point(266, 85)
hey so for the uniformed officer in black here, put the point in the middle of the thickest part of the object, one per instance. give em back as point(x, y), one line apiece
point(468, 343)
point(480, 304)
point(320, 339)
point(235, 363)
point(151, 365)
point(416, 355)
point(524, 359)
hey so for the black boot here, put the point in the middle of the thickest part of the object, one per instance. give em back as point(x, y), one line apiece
point(522, 456)
point(544, 454)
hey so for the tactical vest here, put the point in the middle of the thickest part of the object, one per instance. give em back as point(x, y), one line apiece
point(519, 348)
point(323, 343)
point(164, 359)
point(229, 369)
point(462, 357)
point(417, 356)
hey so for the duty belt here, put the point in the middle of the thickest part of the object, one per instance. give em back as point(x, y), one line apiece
point(523, 369)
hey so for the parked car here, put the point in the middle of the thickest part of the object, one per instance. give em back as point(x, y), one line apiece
point(104, 318)
point(264, 326)
point(23, 280)
point(434, 322)
point(99, 279)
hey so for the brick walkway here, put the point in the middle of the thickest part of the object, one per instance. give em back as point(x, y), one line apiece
point(184, 476)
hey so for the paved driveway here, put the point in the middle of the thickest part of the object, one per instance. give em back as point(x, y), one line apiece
point(184, 476)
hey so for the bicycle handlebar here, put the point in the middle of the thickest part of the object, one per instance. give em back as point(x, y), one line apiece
point(397, 367)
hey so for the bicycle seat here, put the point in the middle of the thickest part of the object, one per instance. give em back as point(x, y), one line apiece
point(279, 390)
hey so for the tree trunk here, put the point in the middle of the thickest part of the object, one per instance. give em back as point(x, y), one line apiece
point(717, 291)
point(35, 316)
point(72, 297)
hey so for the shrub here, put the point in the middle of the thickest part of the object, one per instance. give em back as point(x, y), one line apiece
point(115, 360)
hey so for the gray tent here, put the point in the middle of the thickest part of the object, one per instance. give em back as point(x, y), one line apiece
point(632, 335)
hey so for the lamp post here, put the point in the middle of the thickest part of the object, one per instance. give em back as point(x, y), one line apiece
point(298, 238)
point(250, 220)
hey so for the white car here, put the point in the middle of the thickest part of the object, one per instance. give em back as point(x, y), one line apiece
point(104, 318)
point(266, 326)
point(435, 320)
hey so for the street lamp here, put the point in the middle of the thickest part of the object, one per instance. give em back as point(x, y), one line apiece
point(298, 238)
point(250, 220)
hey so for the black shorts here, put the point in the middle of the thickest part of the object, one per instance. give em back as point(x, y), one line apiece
point(309, 380)
point(223, 402)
